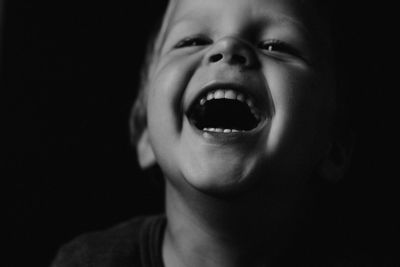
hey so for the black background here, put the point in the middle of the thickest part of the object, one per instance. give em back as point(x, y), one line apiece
point(70, 73)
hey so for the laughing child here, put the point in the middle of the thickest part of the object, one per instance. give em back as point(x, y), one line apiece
point(238, 108)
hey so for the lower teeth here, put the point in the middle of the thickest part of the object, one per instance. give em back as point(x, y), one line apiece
point(220, 130)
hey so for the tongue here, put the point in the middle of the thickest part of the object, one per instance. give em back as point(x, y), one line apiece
point(223, 113)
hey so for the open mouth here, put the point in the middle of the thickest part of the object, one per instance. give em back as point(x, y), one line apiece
point(224, 111)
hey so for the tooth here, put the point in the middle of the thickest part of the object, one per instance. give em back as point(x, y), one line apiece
point(250, 103)
point(211, 129)
point(227, 130)
point(203, 100)
point(219, 130)
point(210, 96)
point(205, 129)
point(230, 94)
point(219, 94)
point(234, 131)
point(255, 115)
point(240, 97)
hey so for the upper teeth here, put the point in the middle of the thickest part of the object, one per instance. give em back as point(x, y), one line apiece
point(230, 94)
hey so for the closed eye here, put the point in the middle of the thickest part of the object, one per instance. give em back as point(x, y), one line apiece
point(193, 41)
point(277, 46)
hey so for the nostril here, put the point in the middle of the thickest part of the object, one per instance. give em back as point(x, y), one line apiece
point(235, 58)
point(216, 58)
point(239, 59)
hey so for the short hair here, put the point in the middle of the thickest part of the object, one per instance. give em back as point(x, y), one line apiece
point(138, 120)
point(339, 19)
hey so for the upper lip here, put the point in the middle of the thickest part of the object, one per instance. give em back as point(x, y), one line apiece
point(260, 98)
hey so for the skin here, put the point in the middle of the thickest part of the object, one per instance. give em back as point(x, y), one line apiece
point(257, 181)
point(294, 91)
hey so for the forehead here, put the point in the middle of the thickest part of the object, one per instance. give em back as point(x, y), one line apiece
point(298, 12)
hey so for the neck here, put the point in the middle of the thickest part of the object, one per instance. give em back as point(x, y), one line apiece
point(209, 231)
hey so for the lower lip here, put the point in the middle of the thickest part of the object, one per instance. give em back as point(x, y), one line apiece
point(230, 137)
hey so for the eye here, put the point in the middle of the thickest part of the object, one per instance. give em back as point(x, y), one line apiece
point(277, 46)
point(193, 41)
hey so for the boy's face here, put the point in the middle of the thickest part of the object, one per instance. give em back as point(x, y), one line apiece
point(240, 93)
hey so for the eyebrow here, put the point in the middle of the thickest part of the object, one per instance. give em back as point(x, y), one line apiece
point(264, 18)
point(283, 19)
point(174, 22)
point(308, 26)
point(270, 18)
point(171, 24)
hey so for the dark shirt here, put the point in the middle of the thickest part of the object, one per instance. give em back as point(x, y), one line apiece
point(135, 243)
point(138, 243)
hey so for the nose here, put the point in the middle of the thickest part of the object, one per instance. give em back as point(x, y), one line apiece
point(232, 51)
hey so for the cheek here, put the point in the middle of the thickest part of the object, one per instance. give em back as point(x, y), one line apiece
point(164, 111)
point(299, 124)
point(166, 88)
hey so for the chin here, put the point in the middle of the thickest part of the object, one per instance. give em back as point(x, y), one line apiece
point(220, 182)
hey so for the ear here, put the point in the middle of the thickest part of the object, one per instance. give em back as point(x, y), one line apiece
point(338, 157)
point(144, 151)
